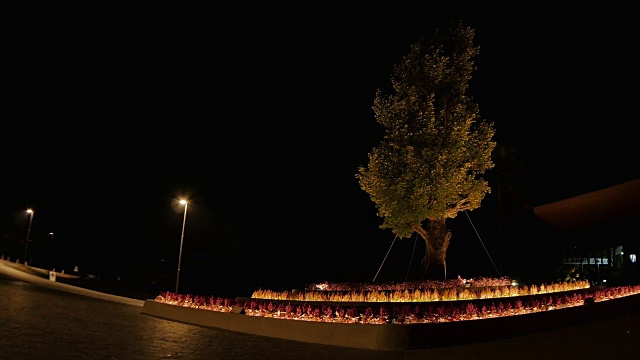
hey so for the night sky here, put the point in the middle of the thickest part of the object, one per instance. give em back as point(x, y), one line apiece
point(262, 122)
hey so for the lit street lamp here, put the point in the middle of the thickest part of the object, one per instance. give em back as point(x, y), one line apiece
point(26, 243)
point(184, 221)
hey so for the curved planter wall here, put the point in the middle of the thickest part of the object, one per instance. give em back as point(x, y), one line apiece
point(391, 336)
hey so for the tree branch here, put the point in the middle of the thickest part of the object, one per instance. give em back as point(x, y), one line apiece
point(461, 205)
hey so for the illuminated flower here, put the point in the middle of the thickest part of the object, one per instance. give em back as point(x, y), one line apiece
point(369, 312)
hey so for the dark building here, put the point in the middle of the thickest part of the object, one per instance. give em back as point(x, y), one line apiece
point(595, 235)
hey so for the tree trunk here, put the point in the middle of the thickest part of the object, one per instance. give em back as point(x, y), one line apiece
point(436, 237)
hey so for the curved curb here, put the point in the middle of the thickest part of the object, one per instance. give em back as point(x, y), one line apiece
point(14, 273)
point(366, 336)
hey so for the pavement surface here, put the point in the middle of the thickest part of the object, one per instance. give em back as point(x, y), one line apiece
point(46, 320)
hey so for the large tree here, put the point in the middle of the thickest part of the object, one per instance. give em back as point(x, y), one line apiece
point(436, 147)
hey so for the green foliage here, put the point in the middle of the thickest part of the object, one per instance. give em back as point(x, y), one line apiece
point(436, 146)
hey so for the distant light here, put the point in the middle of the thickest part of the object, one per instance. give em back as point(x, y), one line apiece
point(514, 283)
point(29, 211)
point(632, 257)
point(321, 286)
point(604, 280)
point(182, 202)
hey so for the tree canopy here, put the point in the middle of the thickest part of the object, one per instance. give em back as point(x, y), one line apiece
point(436, 147)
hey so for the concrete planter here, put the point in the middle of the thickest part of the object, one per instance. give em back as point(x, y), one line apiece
point(391, 336)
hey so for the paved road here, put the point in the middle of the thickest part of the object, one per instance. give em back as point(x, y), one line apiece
point(43, 323)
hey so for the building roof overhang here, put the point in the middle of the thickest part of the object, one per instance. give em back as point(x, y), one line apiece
point(594, 208)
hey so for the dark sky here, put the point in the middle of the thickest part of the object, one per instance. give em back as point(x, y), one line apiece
point(262, 122)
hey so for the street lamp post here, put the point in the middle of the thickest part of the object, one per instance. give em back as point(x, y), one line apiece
point(184, 221)
point(26, 243)
point(51, 250)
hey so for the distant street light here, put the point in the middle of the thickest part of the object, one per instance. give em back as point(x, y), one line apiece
point(26, 243)
point(184, 221)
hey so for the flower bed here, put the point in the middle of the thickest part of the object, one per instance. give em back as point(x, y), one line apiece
point(421, 294)
point(413, 285)
point(405, 313)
